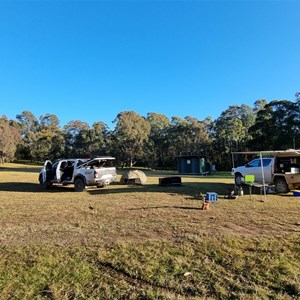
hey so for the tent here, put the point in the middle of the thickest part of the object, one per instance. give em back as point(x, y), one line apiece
point(134, 177)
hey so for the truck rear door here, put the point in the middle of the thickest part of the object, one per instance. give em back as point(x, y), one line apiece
point(268, 169)
point(47, 170)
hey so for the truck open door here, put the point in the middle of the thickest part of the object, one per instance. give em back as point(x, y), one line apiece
point(60, 169)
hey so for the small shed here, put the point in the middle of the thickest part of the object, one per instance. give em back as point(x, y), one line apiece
point(193, 164)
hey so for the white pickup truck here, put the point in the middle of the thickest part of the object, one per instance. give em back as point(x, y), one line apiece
point(282, 170)
point(80, 172)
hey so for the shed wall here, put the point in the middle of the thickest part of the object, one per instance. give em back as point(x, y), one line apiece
point(192, 165)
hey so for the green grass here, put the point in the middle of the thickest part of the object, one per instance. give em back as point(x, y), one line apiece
point(145, 242)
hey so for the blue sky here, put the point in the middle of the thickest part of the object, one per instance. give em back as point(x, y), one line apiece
point(90, 60)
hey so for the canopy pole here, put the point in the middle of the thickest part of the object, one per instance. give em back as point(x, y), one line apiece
point(263, 175)
point(235, 187)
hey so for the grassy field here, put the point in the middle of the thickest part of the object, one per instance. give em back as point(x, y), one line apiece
point(145, 242)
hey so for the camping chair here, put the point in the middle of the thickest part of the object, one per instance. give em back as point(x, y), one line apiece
point(249, 180)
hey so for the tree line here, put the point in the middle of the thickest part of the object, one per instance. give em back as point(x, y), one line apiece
point(154, 140)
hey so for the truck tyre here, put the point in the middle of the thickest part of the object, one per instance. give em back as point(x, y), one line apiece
point(79, 185)
point(238, 179)
point(281, 185)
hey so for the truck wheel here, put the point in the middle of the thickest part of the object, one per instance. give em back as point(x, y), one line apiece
point(238, 179)
point(281, 186)
point(79, 185)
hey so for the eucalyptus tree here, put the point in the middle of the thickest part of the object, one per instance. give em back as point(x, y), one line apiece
point(158, 143)
point(28, 126)
point(178, 136)
point(41, 138)
point(231, 128)
point(49, 121)
point(189, 135)
point(77, 138)
point(198, 134)
point(9, 139)
point(99, 139)
point(297, 95)
point(277, 126)
point(91, 141)
point(28, 122)
point(130, 136)
point(259, 105)
point(49, 139)
point(231, 132)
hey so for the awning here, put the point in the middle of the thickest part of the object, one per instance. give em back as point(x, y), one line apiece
point(277, 153)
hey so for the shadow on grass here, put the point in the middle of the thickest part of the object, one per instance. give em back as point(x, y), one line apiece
point(28, 187)
point(21, 169)
point(191, 189)
point(167, 207)
point(160, 173)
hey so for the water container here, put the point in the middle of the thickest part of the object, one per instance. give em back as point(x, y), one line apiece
point(241, 191)
point(211, 196)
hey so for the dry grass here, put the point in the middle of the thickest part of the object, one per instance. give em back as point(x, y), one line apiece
point(29, 215)
point(139, 239)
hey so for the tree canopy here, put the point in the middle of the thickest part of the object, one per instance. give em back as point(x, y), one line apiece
point(9, 139)
point(155, 140)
